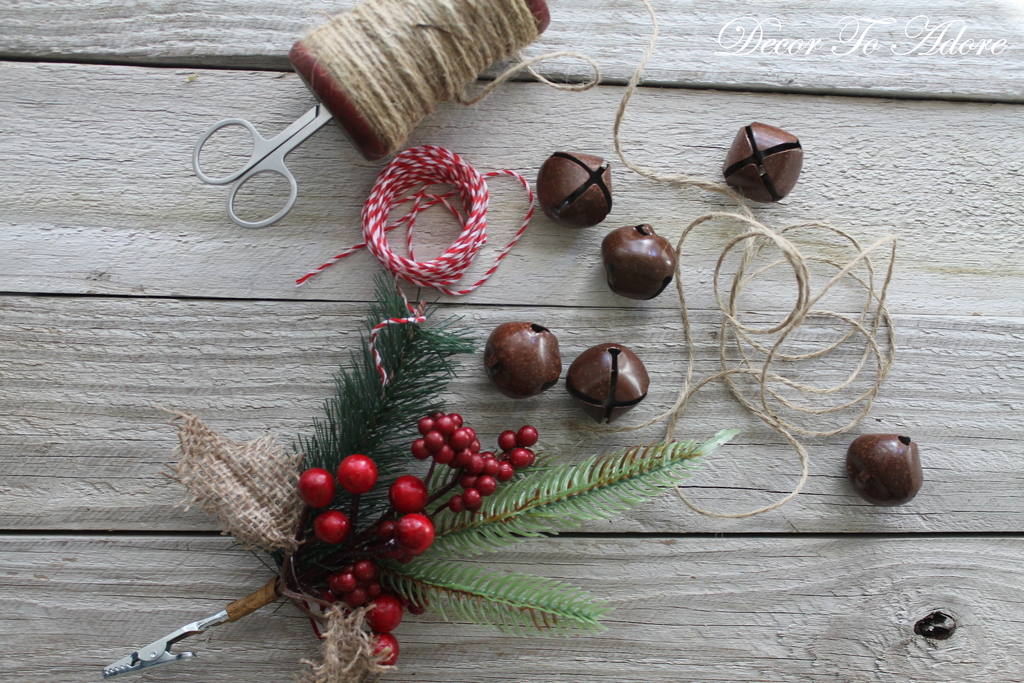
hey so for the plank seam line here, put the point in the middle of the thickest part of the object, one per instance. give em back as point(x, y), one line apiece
point(441, 304)
point(615, 81)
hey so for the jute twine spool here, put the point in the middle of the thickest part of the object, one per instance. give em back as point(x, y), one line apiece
point(756, 350)
point(385, 64)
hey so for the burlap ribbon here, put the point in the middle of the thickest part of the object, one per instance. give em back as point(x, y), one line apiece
point(251, 488)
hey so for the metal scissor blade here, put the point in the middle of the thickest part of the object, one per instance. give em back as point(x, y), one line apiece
point(299, 130)
point(159, 651)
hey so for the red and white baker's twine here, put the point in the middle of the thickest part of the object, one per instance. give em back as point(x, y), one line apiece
point(418, 168)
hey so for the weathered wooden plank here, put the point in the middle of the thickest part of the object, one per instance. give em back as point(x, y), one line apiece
point(100, 198)
point(83, 444)
point(692, 609)
point(701, 45)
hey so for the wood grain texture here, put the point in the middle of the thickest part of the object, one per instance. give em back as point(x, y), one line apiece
point(258, 35)
point(694, 609)
point(84, 445)
point(100, 197)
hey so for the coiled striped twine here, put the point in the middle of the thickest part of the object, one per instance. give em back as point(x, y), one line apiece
point(415, 170)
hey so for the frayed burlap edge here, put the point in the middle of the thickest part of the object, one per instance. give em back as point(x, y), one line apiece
point(251, 488)
point(346, 652)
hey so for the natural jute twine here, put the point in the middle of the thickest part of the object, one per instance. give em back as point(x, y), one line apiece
point(399, 58)
point(251, 488)
point(346, 650)
point(759, 348)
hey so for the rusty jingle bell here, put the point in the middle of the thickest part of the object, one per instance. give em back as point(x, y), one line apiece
point(763, 163)
point(884, 469)
point(575, 190)
point(522, 359)
point(607, 380)
point(639, 262)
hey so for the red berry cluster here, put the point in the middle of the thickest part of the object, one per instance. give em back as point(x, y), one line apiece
point(412, 534)
point(356, 584)
point(449, 442)
point(406, 530)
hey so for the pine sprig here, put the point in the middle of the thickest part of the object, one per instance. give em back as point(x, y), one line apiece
point(563, 496)
point(365, 417)
point(515, 603)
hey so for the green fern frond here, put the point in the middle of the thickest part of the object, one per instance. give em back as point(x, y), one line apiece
point(515, 603)
point(565, 495)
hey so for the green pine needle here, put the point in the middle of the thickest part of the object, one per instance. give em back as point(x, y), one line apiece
point(365, 417)
point(565, 495)
point(515, 603)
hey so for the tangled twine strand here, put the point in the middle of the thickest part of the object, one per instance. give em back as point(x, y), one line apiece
point(755, 240)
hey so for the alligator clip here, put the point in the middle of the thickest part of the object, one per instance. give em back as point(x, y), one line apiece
point(159, 651)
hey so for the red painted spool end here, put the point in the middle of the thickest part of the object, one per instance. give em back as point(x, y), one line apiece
point(333, 96)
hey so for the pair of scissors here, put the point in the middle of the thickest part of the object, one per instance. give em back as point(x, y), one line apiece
point(267, 157)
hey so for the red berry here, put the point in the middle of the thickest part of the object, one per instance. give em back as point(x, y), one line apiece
point(316, 487)
point(331, 526)
point(445, 425)
point(342, 582)
point(386, 614)
point(444, 455)
point(425, 425)
point(474, 445)
point(373, 589)
point(491, 465)
point(436, 416)
point(386, 530)
point(433, 441)
point(463, 457)
point(327, 595)
point(365, 570)
point(505, 471)
point(486, 485)
point(476, 464)
point(472, 499)
point(455, 503)
point(408, 494)
point(356, 598)
point(386, 647)
point(533, 457)
point(519, 458)
point(414, 533)
point(507, 440)
point(526, 437)
point(461, 438)
point(357, 474)
point(419, 449)
point(416, 609)
point(456, 418)
point(467, 481)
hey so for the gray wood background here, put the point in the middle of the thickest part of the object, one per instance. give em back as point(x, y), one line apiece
point(123, 286)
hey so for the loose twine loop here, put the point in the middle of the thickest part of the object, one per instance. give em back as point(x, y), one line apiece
point(756, 358)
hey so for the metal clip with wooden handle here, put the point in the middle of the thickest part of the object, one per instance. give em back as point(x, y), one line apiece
point(159, 651)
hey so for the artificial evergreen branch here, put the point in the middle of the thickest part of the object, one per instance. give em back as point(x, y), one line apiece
point(516, 603)
point(563, 496)
point(365, 417)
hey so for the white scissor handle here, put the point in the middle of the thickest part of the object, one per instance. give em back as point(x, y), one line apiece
point(261, 147)
point(272, 164)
